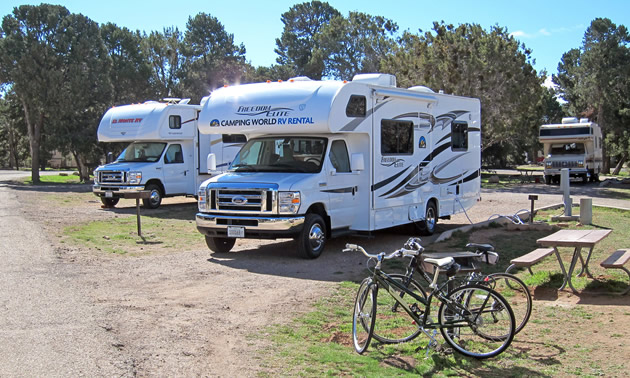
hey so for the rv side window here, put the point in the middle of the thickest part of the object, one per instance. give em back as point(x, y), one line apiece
point(174, 154)
point(175, 122)
point(234, 138)
point(396, 137)
point(356, 106)
point(459, 136)
point(339, 156)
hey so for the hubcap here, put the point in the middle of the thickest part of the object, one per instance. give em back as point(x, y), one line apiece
point(316, 237)
point(430, 221)
point(155, 196)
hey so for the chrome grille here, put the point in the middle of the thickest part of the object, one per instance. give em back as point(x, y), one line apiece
point(111, 177)
point(239, 200)
point(564, 164)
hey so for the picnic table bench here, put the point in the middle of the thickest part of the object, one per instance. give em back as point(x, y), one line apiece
point(617, 261)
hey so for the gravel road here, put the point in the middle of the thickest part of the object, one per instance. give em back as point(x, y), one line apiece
point(67, 311)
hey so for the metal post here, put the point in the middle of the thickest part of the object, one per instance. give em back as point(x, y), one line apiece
point(532, 198)
point(566, 193)
point(586, 210)
point(138, 215)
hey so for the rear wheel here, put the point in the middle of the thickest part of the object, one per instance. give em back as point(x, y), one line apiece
point(220, 245)
point(548, 180)
point(155, 198)
point(427, 226)
point(110, 202)
point(363, 315)
point(394, 323)
point(478, 323)
point(312, 239)
point(514, 290)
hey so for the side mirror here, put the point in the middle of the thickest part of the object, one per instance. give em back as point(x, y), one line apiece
point(357, 162)
point(110, 157)
point(211, 163)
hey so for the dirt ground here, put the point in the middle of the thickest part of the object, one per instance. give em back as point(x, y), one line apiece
point(189, 312)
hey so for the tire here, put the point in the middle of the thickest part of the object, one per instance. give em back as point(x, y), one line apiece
point(479, 323)
point(110, 202)
point(548, 180)
point(394, 323)
point(585, 179)
point(312, 238)
point(220, 245)
point(154, 201)
point(427, 226)
point(363, 315)
point(514, 290)
point(595, 177)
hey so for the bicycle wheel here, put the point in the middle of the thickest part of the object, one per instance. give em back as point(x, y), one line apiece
point(363, 316)
point(393, 323)
point(476, 321)
point(514, 290)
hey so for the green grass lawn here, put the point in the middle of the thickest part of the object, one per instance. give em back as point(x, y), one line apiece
point(54, 179)
point(319, 343)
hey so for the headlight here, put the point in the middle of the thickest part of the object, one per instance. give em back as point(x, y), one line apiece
point(548, 164)
point(95, 174)
point(202, 198)
point(289, 202)
point(580, 164)
point(134, 177)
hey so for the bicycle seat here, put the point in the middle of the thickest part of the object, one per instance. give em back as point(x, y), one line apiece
point(443, 263)
point(481, 247)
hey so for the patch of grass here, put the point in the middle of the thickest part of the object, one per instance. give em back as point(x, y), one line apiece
point(120, 236)
point(54, 179)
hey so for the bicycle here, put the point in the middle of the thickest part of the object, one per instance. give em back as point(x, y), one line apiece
point(474, 320)
point(508, 285)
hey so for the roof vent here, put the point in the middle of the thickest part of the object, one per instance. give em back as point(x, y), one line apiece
point(385, 80)
point(301, 78)
point(421, 88)
point(584, 120)
point(566, 120)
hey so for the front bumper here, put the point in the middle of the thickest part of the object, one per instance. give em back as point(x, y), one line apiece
point(116, 191)
point(255, 227)
point(573, 172)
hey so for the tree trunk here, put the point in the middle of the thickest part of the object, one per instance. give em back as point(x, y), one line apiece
point(620, 164)
point(34, 137)
point(84, 175)
point(601, 123)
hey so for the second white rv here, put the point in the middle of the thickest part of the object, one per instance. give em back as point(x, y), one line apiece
point(575, 145)
point(166, 154)
point(330, 157)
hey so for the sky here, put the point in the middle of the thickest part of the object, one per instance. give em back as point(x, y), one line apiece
point(548, 28)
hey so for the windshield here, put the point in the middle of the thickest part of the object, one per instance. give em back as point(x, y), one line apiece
point(567, 149)
point(281, 154)
point(142, 152)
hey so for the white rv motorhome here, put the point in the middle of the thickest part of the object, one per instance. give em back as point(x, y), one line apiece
point(330, 157)
point(573, 144)
point(166, 155)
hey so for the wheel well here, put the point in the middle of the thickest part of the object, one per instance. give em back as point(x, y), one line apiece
point(318, 208)
point(436, 203)
point(158, 183)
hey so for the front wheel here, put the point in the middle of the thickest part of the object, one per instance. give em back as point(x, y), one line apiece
point(395, 325)
point(155, 197)
point(476, 321)
point(312, 239)
point(109, 202)
point(220, 245)
point(363, 316)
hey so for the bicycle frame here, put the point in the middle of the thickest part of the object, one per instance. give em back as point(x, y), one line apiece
point(386, 282)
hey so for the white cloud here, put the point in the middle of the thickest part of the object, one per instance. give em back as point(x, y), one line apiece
point(519, 34)
point(544, 32)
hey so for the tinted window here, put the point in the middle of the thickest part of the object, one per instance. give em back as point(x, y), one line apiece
point(356, 106)
point(396, 137)
point(459, 136)
point(234, 138)
point(175, 122)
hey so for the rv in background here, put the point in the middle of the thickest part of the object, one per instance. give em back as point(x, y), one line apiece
point(573, 144)
point(166, 154)
point(325, 158)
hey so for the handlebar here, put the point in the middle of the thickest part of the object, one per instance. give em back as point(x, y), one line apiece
point(412, 248)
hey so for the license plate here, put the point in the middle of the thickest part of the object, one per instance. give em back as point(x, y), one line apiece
point(235, 232)
point(109, 194)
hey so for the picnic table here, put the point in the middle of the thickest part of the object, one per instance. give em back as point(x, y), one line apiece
point(526, 175)
point(577, 239)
